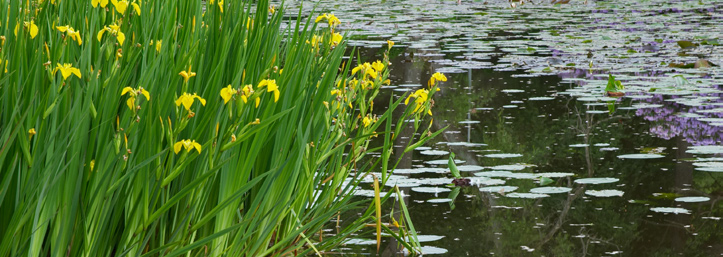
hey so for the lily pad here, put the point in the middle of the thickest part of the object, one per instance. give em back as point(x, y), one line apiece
point(498, 189)
point(434, 152)
point(550, 190)
point(640, 156)
point(707, 149)
point(670, 210)
point(439, 200)
point(527, 195)
point(503, 155)
point(511, 167)
point(692, 199)
point(555, 174)
point(596, 180)
point(440, 162)
point(432, 190)
point(604, 193)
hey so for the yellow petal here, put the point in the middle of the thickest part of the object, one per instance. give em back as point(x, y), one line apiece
point(33, 29)
point(126, 90)
point(357, 68)
point(131, 103)
point(65, 73)
point(94, 3)
point(276, 95)
point(203, 101)
point(177, 146)
point(100, 33)
point(197, 146)
point(120, 6)
point(78, 38)
point(137, 8)
point(187, 102)
point(146, 94)
point(121, 37)
point(179, 101)
point(103, 3)
point(258, 100)
point(75, 71)
point(62, 28)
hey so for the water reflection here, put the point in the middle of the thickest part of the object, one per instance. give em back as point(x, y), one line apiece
point(616, 212)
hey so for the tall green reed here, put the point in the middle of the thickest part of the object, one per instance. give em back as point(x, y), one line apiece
point(188, 128)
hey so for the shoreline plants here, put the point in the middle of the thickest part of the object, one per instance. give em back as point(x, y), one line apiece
point(169, 128)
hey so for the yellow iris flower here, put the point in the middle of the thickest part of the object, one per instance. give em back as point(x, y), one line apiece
point(31, 133)
point(121, 6)
point(420, 98)
point(378, 66)
point(113, 30)
point(246, 93)
point(336, 39)
point(72, 33)
point(367, 69)
point(367, 121)
point(187, 74)
point(271, 86)
point(315, 40)
point(66, 70)
point(187, 100)
point(333, 20)
point(227, 93)
point(102, 3)
point(436, 77)
point(133, 93)
point(390, 44)
point(188, 145)
point(33, 29)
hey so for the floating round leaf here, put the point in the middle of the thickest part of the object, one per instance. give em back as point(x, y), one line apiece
point(498, 189)
point(360, 241)
point(469, 168)
point(526, 195)
point(555, 174)
point(550, 190)
point(640, 156)
point(440, 162)
point(503, 155)
point(439, 200)
point(511, 167)
point(428, 250)
point(433, 190)
point(596, 180)
point(692, 199)
point(670, 210)
point(604, 193)
point(434, 152)
point(706, 149)
point(486, 181)
point(428, 238)
point(541, 98)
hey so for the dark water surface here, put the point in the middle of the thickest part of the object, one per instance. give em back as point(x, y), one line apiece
point(640, 175)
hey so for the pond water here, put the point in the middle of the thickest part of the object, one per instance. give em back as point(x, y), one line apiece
point(556, 167)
